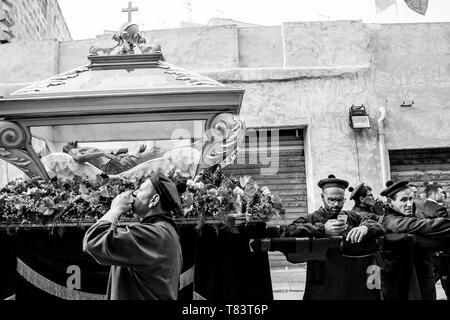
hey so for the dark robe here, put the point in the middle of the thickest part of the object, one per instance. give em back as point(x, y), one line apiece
point(337, 277)
point(430, 209)
point(145, 257)
point(407, 273)
point(366, 213)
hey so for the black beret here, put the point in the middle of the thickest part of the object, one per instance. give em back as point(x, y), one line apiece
point(167, 191)
point(393, 188)
point(355, 192)
point(332, 181)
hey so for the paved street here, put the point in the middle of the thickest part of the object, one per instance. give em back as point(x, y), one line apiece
point(288, 283)
point(288, 280)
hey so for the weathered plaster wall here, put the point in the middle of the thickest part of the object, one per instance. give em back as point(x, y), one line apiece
point(199, 48)
point(327, 69)
point(260, 47)
point(320, 105)
point(73, 54)
point(22, 63)
point(28, 61)
point(330, 66)
point(325, 44)
point(412, 63)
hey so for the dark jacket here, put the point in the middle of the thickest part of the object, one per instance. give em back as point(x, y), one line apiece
point(337, 277)
point(407, 273)
point(366, 213)
point(145, 258)
point(430, 209)
point(394, 222)
point(313, 224)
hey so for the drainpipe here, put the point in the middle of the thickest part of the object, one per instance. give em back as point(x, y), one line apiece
point(385, 176)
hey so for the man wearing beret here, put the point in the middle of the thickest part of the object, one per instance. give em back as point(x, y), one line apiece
point(145, 257)
point(364, 201)
point(337, 277)
point(400, 218)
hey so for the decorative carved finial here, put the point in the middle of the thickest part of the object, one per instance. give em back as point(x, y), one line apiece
point(130, 10)
point(129, 41)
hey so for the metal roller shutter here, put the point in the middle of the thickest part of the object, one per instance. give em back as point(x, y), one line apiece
point(420, 165)
point(289, 182)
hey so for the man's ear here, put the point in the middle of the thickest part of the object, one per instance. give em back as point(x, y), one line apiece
point(389, 202)
point(154, 201)
point(361, 199)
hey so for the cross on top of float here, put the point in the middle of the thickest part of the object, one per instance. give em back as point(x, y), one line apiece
point(130, 9)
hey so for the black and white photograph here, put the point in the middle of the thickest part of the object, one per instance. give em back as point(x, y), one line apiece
point(225, 154)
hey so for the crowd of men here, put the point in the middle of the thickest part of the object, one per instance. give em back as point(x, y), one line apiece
point(408, 272)
point(146, 258)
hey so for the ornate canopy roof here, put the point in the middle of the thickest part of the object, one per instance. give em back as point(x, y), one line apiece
point(129, 82)
point(107, 75)
point(131, 71)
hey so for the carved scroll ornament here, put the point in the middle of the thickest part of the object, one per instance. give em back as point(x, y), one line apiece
point(225, 134)
point(16, 149)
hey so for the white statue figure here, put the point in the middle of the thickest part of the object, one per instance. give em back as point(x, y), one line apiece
point(184, 159)
point(109, 162)
point(64, 166)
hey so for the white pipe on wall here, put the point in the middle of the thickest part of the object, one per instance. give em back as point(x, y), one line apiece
point(384, 161)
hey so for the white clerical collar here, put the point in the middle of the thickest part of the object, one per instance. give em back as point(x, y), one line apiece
point(429, 199)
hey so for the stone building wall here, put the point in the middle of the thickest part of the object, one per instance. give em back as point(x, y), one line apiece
point(34, 20)
point(6, 21)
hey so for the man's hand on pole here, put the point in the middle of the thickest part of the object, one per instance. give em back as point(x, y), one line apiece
point(355, 235)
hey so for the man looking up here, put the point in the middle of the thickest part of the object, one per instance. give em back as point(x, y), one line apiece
point(145, 257)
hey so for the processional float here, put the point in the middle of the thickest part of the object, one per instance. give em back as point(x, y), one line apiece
point(125, 96)
point(126, 93)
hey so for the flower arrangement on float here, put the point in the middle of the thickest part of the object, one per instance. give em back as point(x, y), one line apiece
point(213, 195)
